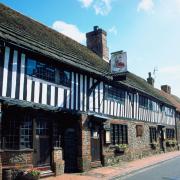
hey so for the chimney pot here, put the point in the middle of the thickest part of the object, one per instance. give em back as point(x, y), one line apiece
point(166, 89)
point(150, 80)
point(96, 28)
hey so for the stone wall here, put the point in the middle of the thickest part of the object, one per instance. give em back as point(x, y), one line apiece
point(138, 147)
point(17, 159)
point(57, 160)
point(178, 132)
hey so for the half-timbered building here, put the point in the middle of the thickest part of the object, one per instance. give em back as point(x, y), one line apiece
point(61, 108)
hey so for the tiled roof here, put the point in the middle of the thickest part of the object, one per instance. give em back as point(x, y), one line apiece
point(142, 85)
point(173, 99)
point(31, 34)
point(37, 35)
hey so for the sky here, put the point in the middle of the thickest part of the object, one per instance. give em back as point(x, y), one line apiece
point(148, 30)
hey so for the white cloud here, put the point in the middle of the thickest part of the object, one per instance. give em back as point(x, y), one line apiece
point(146, 5)
point(69, 30)
point(101, 7)
point(86, 3)
point(113, 30)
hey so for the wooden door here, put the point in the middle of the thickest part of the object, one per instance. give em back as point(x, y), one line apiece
point(70, 151)
point(95, 145)
point(161, 138)
point(42, 150)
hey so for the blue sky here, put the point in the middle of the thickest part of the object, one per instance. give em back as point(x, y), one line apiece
point(148, 30)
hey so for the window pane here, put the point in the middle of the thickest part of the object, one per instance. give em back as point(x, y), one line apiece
point(119, 134)
point(114, 93)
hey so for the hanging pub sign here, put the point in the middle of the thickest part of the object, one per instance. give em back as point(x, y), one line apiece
point(118, 62)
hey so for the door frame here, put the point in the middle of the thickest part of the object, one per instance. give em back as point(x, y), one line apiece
point(66, 131)
point(35, 143)
point(161, 137)
point(98, 126)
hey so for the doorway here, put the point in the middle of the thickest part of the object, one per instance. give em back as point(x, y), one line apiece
point(96, 142)
point(161, 137)
point(70, 150)
point(42, 145)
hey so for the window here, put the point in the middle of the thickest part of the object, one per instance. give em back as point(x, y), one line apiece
point(170, 133)
point(143, 101)
point(40, 70)
point(42, 126)
point(139, 130)
point(168, 111)
point(114, 93)
point(47, 72)
point(119, 134)
point(153, 135)
point(151, 107)
point(64, 78)
point(26, 133)
point(18, 133)
point(11, 134)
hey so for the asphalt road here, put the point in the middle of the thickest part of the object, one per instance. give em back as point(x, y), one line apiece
point(168, 170)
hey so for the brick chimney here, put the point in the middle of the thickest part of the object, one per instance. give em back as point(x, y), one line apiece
point(150, 80)
point(166, 89)
point(97, 42)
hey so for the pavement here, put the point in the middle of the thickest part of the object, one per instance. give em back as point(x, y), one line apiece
point(112, 172)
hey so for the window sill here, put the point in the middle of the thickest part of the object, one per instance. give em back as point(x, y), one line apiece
point(17, 150)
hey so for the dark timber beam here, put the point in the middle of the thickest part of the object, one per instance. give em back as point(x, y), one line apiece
point(93, 87)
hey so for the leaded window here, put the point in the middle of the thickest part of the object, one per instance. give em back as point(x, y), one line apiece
point(26, 133)
point(119, 134)
point(64, 77)
point(11, 134)
point(153, 135)
point(42, 126)
point(114, 93)
point(143, 101)
point(170, 133)
point(40, 70)
point(168, 111)
point(47, 72)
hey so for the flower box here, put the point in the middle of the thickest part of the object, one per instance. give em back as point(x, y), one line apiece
point(120, 148)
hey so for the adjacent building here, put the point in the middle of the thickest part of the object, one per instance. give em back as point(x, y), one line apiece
point(61, 107)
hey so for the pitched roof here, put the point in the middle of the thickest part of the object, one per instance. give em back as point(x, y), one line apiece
point(173, 99)
point(40, 37)
point(142, 85)
point(33, 35)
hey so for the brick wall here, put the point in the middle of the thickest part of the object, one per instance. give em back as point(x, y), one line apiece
point(84, 146)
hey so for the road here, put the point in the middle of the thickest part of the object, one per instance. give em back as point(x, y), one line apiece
point(168, 170)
